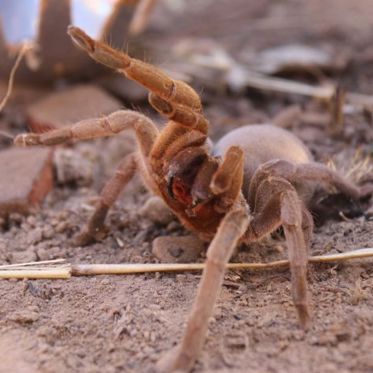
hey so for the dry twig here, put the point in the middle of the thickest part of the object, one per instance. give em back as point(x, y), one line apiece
point(25, 48)
point(49, 269)
point(57, 269)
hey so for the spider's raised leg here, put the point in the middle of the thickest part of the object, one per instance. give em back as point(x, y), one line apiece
point(95, 229)
point(187, 127)
point(147, 75)
point(188, 117)
point(219, 252)
point(173, 99)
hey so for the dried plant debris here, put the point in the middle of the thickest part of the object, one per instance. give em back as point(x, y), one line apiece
point(357, 167)
point(61, 269)
point(208, 62)
point(293, 58)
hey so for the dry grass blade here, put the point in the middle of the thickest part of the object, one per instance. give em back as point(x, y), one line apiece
point(107, 269)
point(25, 48)
point(49, 269)
point(358, 169)
point(288, 86)
point(324, 93)
point(44, 262)
point(60, 269)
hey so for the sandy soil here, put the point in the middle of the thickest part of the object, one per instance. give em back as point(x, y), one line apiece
point(125, 323)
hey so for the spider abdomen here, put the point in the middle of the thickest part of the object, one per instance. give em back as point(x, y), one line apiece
point(262, 143)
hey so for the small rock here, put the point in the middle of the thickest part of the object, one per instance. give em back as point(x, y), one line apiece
point(48, 232)
point(61, 227)
point(156, 211)
point(72, 167)
point(31, 220)
point(15, 218)
point(24, 256)
point(69, 106)
point(35, 236)
point(173, 226)
point(105, 282)
point(43, 253)
point(177, 249)
point(26, 178)
point(25, 316)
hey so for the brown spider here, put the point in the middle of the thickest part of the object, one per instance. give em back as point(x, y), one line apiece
point(255, 179)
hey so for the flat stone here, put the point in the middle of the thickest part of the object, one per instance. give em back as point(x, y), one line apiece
point(70, 106)
point(26, 316)
point(26, 178)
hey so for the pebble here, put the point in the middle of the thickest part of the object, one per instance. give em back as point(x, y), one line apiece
point(157, 211)
point(31, 220)
point(48, 232)
point(24, 256)
point(35, 236)
point(61, 227)
point(72, 167)
point(105, 282)
point(177, 249)
point(15, 217)
point(25, 317)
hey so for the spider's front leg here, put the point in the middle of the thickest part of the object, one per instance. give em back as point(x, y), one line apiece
point(277, 203)
point(146, 134)
point(231, 229)
point(145, 130)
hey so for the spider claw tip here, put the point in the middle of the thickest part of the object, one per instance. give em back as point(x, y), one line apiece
point(80, 38)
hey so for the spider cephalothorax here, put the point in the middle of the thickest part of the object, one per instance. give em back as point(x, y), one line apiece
point(252, 181)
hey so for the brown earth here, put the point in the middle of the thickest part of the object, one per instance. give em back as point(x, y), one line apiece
point(125, 323)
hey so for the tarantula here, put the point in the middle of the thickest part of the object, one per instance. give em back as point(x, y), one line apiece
point(255, 179)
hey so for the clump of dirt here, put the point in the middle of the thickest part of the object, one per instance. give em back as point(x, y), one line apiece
point(125, 323)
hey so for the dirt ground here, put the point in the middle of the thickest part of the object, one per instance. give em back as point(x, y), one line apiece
point(126, 323)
